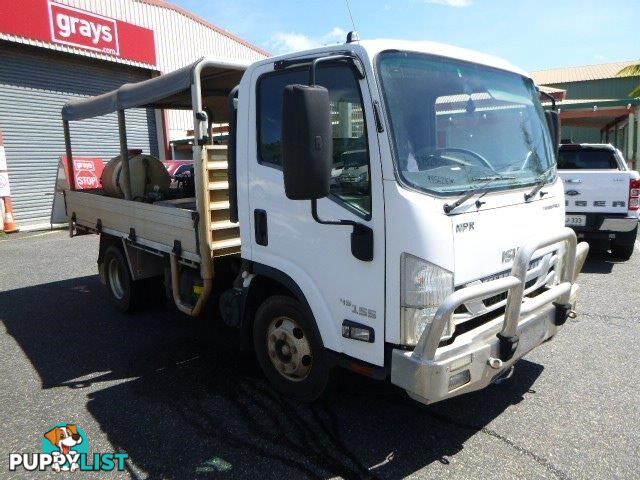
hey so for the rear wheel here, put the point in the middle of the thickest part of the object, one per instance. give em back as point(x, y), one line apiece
point(289, 349)
point(623, 252)
point(623, 246)
point(598, 247)
point(118, 279)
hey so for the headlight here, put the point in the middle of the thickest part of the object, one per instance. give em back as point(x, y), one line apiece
point(423, 287)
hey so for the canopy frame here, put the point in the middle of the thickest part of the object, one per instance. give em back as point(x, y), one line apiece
point(180, 90)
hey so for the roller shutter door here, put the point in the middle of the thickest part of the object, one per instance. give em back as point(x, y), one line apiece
point(34, 84)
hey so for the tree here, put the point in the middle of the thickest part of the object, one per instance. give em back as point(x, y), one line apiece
point(631, 71)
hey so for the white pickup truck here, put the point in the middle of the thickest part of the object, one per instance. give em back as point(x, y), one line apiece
point(379, 209)
point(602, 196)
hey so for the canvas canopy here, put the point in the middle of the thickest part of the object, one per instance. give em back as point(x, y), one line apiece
point(171, 90)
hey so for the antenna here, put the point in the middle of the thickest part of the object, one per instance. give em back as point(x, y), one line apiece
point(353, 24)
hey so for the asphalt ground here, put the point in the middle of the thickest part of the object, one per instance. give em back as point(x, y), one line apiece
point(176, 395)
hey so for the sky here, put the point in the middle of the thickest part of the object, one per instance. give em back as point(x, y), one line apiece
point(533, 35)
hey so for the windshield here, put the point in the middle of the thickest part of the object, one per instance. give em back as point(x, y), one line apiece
point(457, 124)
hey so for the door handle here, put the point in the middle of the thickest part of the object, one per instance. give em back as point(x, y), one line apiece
point(260, 226)
point(573, 180)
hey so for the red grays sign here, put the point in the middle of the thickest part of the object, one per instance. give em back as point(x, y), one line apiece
point(72, 26)
point(87, 171)
point(54, 23)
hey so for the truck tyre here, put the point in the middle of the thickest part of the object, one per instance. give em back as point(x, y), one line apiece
point(598, 247)
point(289, 349)
point(120, 286)
point(623, 247)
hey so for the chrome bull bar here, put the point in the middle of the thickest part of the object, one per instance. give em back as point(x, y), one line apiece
point(574, 256)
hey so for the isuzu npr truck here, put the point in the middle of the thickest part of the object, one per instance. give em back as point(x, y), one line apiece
point(390, 207)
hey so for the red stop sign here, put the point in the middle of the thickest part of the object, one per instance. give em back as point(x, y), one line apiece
point(87, 172)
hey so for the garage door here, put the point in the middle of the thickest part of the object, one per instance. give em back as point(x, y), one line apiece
point(33, 88)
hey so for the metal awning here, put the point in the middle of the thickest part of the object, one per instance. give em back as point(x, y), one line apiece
point(171, 90)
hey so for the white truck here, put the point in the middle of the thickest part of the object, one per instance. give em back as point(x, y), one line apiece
point(602, 196)
point(437, 262)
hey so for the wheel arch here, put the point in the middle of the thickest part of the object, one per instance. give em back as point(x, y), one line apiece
point(142, 264)
point(106, 241)
point(269, 281)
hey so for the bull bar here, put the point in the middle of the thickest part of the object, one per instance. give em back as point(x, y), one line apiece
point(426, 372)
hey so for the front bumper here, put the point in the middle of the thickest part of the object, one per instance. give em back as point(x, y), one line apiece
point(431, 373)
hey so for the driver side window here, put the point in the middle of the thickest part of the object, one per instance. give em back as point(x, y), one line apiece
point(350, 175)
point(350, 181)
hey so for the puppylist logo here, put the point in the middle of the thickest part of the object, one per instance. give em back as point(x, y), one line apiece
point(65, 447)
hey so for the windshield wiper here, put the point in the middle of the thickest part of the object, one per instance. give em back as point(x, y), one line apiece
point(450, 207)
point(541, 181)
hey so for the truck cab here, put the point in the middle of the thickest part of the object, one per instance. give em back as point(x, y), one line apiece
point(399, 215)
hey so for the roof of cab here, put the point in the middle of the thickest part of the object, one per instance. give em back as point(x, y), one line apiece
point(373, 47)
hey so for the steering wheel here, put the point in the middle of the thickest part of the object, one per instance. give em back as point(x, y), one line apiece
point(471, 153)
point(527, 158)
point(482, 160)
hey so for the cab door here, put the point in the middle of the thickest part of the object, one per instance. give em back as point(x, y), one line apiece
point(317, 257)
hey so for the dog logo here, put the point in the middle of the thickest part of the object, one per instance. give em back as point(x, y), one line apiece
point(65, 438)
point(65, 448)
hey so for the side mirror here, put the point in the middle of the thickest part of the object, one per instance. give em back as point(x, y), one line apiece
point(553, 121)
point(307, 144)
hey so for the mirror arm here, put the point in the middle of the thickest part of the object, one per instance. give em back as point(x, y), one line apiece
point(361, 237)
point(314, 214)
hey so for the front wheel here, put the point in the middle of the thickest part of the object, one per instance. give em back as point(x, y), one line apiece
point(289, 349)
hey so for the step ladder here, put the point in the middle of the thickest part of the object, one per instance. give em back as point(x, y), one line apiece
point(223, 235)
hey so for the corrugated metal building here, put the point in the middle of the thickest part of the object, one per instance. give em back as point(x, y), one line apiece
point(596, 106)
point(51, 51)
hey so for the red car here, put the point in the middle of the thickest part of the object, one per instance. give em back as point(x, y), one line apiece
point(177, 167)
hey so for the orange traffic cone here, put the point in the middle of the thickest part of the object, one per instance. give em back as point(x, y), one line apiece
point(10, 224)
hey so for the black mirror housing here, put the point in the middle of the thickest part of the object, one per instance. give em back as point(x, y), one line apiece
point(307, 143)
point(553, 121)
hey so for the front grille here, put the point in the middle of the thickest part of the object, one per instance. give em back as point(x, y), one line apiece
point(461, 309)
point(503, 296)
point(500, 297)
point(484, 318)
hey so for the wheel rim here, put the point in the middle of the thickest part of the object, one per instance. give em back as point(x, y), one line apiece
point(115, 279)
point(289, 349)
